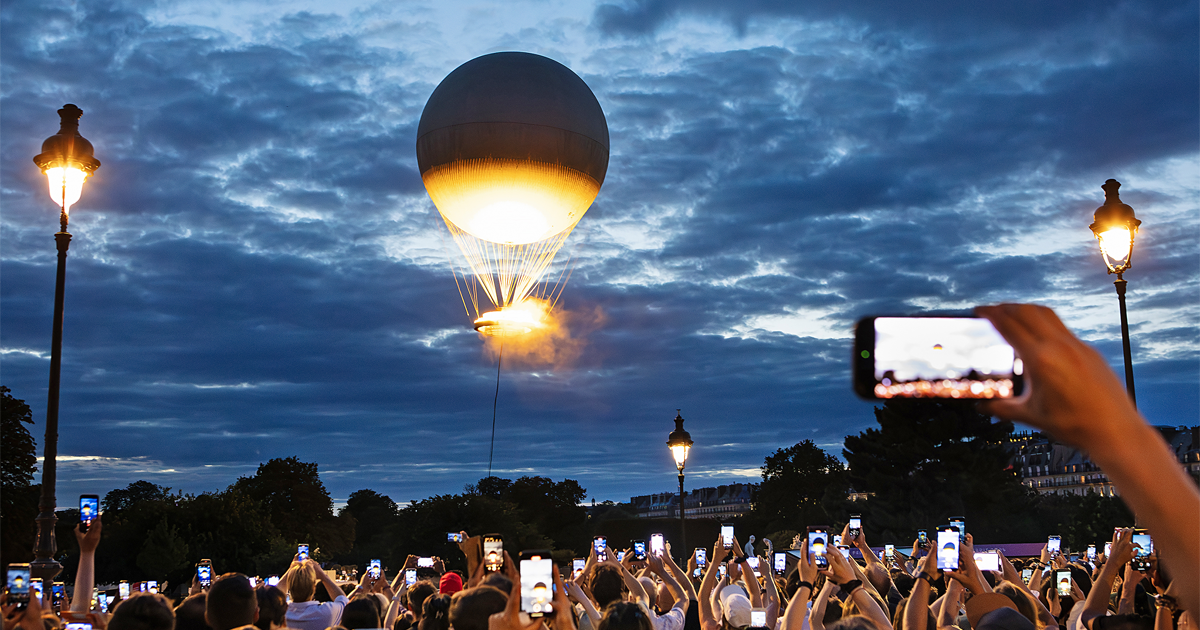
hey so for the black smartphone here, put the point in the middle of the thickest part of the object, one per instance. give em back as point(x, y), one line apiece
point(639, 550)
point(204, 573)
point(727, 535)
point(855, 526)
point(947, 542)
point(18, 585)
point(493, 553)
point(600, 544)
point(657, 544)
point(1063, 580)
point(58, 591)
point(961, 523)
point(780, 562)
point(818, 545)
point(934, 357)
point(410, 577)
point(922, 539)
point(89, 509)
point(454, 537)
point(1054, 546)
point(701, 557)
point(1141, 553)
point(302, 551)
point(537, 580)
point(375, 568)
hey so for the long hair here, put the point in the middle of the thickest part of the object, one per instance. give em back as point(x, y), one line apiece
point(625, 616)
point(435, 613)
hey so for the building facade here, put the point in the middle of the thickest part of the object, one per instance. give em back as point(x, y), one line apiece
point(719, 502)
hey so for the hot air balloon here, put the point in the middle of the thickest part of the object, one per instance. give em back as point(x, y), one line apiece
point(512, 148)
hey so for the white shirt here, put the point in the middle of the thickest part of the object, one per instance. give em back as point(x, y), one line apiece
point(672, 620)
point(312, 615)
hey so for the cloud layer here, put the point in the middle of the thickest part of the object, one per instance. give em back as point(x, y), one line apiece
point(257, 271)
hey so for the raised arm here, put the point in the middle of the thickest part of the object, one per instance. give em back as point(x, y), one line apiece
point(708, 619)
point(85, 575)
point(916, 613)
point(1075, 396)
point(655, 563)
point(1096, 603)
point(797, 610)
point(839, 571)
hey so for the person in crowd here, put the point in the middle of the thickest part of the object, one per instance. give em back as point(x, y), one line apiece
point(301, 582)
point(142, 611)
point(435, 614)
point(471, 608)
point(362, 612)
point(272, 608)
point(231, 603)
point(189, 615)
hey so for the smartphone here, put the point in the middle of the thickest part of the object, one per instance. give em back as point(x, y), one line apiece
point(577, 566)
point(302, 551)
point(1091, 552)
point(727, 535)
point(780, 562)
point(272, 580)
point(600, 544)
point(1026, 574)
point(720, 570)
point(35, 590)
point(922, 539)
point(1107, 549)
point(204, 573)
point(58, 591)
point(889, 552)
point(657, 545)
point(253, 580)
point(837, 539)
point(1063, 580)
point(425, 562)
point(123, 589)
point(855, 525)
point(934, 357)
point(639, 550)
point(752, 562)
point(697, 572)
point(1141, 553)
point(89, 509)
point(620, 556)
point(947, 542)
point(537, 578)
point(987, 561)
point(101, 602)
point(818, 542)
point(961, 523)
point(758, 617)
point(375, 568)
point(845, 549)
point(410, 577)
point(701, 557)
point(152, 586)
point(1053, 546)
point(454, 537)
point(18, 585)
point(79, 626)
point(493, 553)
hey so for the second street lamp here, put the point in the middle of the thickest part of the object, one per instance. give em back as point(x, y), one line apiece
point(66, 160)
point(680, 442)
point(1115, 226)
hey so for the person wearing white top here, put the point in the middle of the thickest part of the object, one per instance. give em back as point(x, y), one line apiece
point(305, 613)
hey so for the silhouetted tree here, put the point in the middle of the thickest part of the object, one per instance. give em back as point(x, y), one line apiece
point(795, 486)
point(299, 505)
point(18, 463)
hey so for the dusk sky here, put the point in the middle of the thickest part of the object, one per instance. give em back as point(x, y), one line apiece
point(258, 272)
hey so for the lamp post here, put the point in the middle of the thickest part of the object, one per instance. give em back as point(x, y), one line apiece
point(680, 442)
point(66, 160)
point(1115, 227)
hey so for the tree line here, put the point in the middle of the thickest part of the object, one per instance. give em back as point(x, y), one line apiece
point(924, 462)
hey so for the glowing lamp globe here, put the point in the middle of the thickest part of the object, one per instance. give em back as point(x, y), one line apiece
point(1116, 227)
point(512, 148)
point(67, 159)
point(680, 443)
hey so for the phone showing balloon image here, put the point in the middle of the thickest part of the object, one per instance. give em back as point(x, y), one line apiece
point(1026, 574)
point(818, 545)
point(537, 578)
point(639, 550)
point(889, 552)
point(1063, 580)
point(657, 545)
point(701, 557)
point(89, 509)
point(123, 589)
point(600, 544)
point(922, 539)
point(152, 586)
point(780, 561)
point(454, 537)
point(1091, 552)
point(375, 569)
point(493, 553)
point(845, 549)
point(410, 577)
point(58, 592)
point(934, 357)
point(35, 589)
point(987, 561)
point(837, 539)
point(204, 573)
point(302, 551)
point(947, 542)
point(727, 535)
point(855, 526)
point(577, 566)
point(1053, 546)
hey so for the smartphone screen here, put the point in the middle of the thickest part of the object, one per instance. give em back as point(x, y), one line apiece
point(758, 618)
point(425, 562)
point(727, 535)
point(697, 572)
point(577, 566)
point(961, 523)
point(536, 580)
point(123, 589)
point(1107, 549)
point(934, 357)
point(1063, 580)
point(1091, 552)
point(889, 551)
point(620, 556)
point(89, 509)
point(57, 591)
point(1026, 574)
point(855, 526)
point(302, 551)
point(837, 539)
point(845, 549)
point(657, 546)
point(204, 573)
point(375, 568)
point(1053, 545)
point(752, 561)
point(780, 561)
point(818, 542)
point(410, 577)
point(454, 537)
point(253, 580)
point(272, 580)
point(152, 586)
point(1141, 553)
point(701, 557)
point(639, 550)
point(493, 552)
point(947, 541)
point(922, 539)
point(79, 626)
point(720, 570)
point(35, 589)
point(987, 561)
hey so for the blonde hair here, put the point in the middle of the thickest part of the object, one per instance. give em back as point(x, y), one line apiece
point(303, 584)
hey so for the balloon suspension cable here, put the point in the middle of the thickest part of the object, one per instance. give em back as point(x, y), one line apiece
point(496, 399)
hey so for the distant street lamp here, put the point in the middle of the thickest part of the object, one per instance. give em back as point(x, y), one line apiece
point(680, 442)
point(66, 160)
point(1116, 227)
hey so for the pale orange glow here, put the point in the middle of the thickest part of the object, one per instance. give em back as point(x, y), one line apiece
point(1115, 245)
point(680, 453)
point(511, 202)
point(513, 320)
point(68, 180)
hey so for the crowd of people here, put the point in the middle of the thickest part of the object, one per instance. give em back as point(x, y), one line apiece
point(1072, 394)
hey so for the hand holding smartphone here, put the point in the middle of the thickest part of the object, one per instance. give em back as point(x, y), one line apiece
point(818, 546)
point(727, 535)
point(947, 548)
point(537, 580)
point(89, 509)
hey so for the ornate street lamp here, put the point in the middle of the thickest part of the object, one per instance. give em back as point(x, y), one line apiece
point(1115, 227)
point(680, 442)
point(66, 160)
